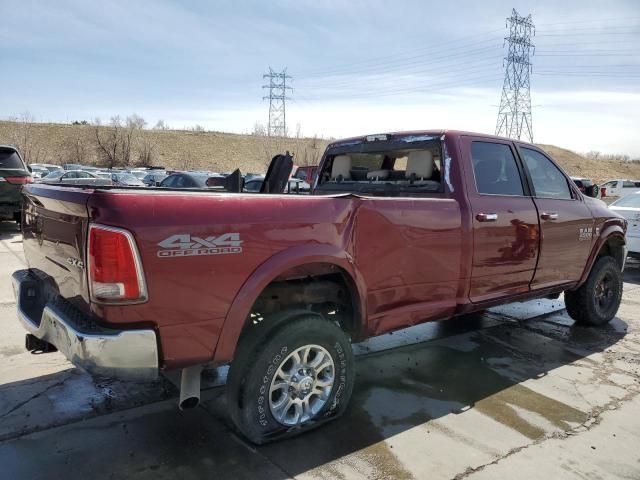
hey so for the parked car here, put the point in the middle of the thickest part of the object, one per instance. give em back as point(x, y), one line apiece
point(296, 185)
point(430, 225)
point(139, 174)
point(76, 177)
point(187, 180)
point(38, 171)
point(126, 179)
point(71, 166)
point(587, 187)
point(14, 173)
point(620, 188)
point(307, 173)
point(629, 207)
point(48, 166)
point(154, 178)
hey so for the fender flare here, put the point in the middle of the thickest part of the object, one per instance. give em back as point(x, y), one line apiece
point(607, 233)
point(268, 271)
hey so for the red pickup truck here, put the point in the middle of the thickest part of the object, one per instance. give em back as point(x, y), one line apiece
point(401, 228)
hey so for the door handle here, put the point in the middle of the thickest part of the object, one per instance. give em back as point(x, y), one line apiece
point(549, 216)
point(487, 217)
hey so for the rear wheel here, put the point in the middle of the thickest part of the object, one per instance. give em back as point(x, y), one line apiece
point(298, 378)
point(596, 302)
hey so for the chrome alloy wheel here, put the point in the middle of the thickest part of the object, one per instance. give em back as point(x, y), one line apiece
point(301, 385)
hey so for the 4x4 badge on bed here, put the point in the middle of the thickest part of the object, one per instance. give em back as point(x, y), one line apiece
point(185, 245)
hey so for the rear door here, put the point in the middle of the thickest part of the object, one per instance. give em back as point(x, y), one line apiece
point(566, 223)
point(505, 220)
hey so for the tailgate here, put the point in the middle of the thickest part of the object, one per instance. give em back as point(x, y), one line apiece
point(54, 234)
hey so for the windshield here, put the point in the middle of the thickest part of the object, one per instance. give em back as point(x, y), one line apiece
point(126, 177)
point(630, 201)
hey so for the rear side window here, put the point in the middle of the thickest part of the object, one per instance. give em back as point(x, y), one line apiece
point(548, 180)
point(10, 159)
point(495, 169)
point(628, 184)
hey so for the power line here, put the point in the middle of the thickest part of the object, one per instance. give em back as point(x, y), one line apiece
point(278, 87)
point(376, 60)
point(514, 114)
point(399, 63)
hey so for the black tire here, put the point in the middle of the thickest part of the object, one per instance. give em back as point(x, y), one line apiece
point(596, 302)
point(257, 362)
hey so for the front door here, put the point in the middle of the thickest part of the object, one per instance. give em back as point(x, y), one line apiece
point(566, 223)
point(505, 221)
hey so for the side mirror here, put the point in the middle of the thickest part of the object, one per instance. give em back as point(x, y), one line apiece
point(29, 168)
point(592, 191)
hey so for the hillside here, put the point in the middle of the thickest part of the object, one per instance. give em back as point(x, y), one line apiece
point(180, 149)
point(598, 170)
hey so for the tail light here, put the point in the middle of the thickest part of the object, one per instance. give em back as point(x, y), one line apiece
point(17, 180)
point(115, 270)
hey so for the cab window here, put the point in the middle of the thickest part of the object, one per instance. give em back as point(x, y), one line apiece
point(398, 167)
point(495, 169)
point(548, 180)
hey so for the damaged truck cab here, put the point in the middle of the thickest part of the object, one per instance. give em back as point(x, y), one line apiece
point(401, 228)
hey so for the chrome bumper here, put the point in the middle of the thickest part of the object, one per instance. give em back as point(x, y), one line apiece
point(127, 354)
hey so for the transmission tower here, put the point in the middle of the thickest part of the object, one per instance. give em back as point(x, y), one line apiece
point(514, 115)
point(277, 102)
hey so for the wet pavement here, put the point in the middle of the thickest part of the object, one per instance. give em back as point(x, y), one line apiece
point(519, 391)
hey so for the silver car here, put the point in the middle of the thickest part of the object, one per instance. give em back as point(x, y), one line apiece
point(76, 177)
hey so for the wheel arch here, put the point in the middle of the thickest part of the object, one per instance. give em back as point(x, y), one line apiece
point(611, 242)
point(304, 259)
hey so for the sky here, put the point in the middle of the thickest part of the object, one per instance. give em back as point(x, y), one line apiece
point(357, 67)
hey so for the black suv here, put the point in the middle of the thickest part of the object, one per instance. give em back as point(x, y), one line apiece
point(13, 174)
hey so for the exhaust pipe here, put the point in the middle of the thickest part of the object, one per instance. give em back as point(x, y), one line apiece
point(190, 387)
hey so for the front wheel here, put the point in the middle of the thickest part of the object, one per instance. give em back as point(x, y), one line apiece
point(596, 302)
point(300, 377)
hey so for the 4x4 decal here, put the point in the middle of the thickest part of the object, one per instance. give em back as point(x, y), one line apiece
point(186, 245)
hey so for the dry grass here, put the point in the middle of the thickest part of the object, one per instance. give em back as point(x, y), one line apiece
point(598, 170)
point(223, 152)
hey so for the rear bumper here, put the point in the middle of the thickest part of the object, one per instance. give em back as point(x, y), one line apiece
point(127, 354)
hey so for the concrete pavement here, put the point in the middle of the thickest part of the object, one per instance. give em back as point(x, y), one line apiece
point(518, 392)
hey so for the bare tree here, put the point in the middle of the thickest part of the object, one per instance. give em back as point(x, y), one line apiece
point(76, 150)
point(187, 162)
point(135, 122)
point(259, 130)
point(161, 125)
point(146, 147)
point(25, 140)
point(115, 142)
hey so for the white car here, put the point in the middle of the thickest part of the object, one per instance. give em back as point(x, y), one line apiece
point(629, 208)
point(620, 188)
